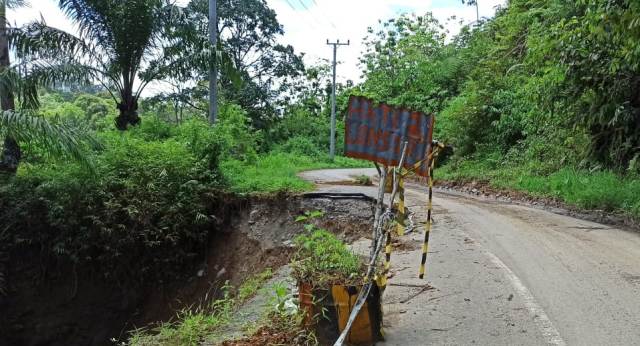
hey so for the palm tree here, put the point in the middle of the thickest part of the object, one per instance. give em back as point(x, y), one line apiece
point(23, 126)
point(119, 45)
point(58, 139)
point(11, 150)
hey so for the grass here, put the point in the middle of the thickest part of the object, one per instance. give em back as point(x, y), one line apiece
point(602, 190)
point(193, 325)
point(322, 259)
point(278, 171)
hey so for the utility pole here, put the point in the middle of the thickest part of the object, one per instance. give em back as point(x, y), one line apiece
point(332, 148)
point(213, 72)
point(477, 12)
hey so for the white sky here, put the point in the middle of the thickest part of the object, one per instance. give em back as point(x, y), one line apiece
point(308, 28)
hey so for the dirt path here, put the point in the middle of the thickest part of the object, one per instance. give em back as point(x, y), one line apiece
point(505, 274)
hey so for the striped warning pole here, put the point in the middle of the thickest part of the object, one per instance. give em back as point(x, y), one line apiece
point(427, 231)
point(387, 261)
point(397, 179)
point(402, 213)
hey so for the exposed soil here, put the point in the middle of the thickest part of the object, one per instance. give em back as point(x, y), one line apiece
point(59, 304)
point(270, 335)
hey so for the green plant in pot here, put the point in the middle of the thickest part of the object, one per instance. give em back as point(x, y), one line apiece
point(330, 277)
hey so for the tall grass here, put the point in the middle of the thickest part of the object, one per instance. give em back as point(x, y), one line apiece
point(277, 171)
point(602, 190)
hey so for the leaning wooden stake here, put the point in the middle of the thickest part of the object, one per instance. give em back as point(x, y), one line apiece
point(380, 220)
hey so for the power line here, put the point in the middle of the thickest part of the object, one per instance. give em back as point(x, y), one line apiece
point(314, 17)
point(303, 5)
point(323, 14)
point(296, 10)
point(291, 5)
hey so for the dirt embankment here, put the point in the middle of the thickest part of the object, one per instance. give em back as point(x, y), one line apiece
point(60, 304)
point(483, 189)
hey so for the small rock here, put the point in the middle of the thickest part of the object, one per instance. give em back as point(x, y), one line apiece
point(221, 272)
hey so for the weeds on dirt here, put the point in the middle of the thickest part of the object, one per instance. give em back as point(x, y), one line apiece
point(282, 323)
point(250, 287)
point(195, 324)
point(278, 330)
point(364, 180)
point(323, 259)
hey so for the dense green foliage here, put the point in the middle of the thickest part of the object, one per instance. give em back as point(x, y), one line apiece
point(541, 74)
point(142, 214)
point(146, 208)
point(545, 97)
point(542, 86)
point(118, 45)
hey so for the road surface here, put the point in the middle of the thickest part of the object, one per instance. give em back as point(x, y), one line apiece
point(506, 274)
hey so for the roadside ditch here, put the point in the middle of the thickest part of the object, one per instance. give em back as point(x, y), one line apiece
point(67, 305)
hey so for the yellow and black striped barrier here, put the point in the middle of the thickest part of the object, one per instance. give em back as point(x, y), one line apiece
point(427, 231)
point(402, 214)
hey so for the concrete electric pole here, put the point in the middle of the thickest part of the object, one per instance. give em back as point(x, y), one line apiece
point(213, 73)
point(332, 148)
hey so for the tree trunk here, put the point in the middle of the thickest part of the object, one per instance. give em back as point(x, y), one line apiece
point(128, 114)
point(11, 154)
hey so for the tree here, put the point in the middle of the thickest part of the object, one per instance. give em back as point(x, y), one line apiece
point(408, 63)
point(119, 45)
point(598, 46)
point(23, 126)
point(248, 31)
point(11, 153)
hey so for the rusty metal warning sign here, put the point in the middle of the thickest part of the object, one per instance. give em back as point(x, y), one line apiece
point(376, 132)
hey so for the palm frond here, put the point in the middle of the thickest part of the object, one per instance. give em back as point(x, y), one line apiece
point(15, 3)
point(183, 65)
point(37, 40)
point(55, 137)
point(10, 79)
point(92, 20)
point(43, 73)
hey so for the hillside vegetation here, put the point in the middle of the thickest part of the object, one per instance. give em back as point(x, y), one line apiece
point(99, 172)
point(545, 97)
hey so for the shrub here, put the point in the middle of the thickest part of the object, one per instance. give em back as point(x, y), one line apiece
point(143, 215)
point(322, 260)
point(300, 146)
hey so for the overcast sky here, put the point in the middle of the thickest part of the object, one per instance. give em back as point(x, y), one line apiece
point(309, 23)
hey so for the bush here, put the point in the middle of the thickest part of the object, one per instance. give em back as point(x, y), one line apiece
point(300, 146)
point(323, 260)
point(143, 215)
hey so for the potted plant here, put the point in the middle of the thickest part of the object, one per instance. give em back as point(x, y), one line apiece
point(329, 278)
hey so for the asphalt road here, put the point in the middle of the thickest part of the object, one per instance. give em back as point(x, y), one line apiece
point(506, 274)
